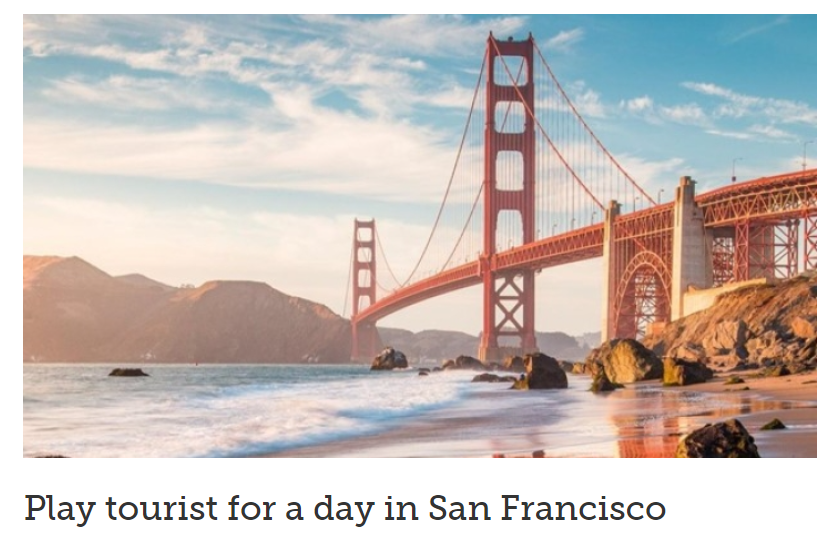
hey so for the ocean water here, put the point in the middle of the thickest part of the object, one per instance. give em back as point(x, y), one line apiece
point(219, 410)
point(347, 410)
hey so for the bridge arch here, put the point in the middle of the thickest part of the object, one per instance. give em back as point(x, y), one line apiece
point(643, 295)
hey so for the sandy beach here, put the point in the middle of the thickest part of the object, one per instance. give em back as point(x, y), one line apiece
point(641, 420)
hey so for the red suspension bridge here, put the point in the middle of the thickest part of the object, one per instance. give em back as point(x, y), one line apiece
point(533, 187)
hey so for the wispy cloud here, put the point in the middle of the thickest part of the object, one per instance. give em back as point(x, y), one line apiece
point(730, 134)
point(739, 105)
point(688, 113)
point(131, 93)
point(771, 132)
point(777, 21)
point(447, 35)
point(255, 155)
point(653, 174)
point(564, 40)
point(637, 105)
point(645, 107)
point(756, 132)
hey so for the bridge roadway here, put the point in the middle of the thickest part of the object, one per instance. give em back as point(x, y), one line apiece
point(768, 198)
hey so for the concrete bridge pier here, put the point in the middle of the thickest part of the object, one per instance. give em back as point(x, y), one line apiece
point(692, 248)
point(609, 284)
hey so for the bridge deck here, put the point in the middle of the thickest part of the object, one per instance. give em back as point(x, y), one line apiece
point(780, 197)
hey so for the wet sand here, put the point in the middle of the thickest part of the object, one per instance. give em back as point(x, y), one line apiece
point(642, 420)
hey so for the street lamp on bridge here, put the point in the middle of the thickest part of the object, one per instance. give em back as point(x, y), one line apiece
point(659, 196)
point(733, 169)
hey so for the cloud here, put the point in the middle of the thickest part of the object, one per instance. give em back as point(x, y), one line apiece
point(357, 56)
point(130, 93)
point(771, 132)
point(689, 113)
point(743, 105)
point(778, 21)
point(730, 134)
point(444, 35)
point(564, 40)
point(371, 157)
point(652, 174)
point(373, 146)
point(587, 101)
point(638, 105)
point(756, 132)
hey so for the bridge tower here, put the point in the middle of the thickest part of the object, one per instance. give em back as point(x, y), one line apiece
point(364, 289)
point(509, 298)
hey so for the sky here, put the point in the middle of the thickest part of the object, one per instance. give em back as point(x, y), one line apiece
point(192, 148)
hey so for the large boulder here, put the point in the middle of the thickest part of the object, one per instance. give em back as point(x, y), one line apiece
point(543, 372)
point(389, 359)
point(728, 439)
point(679, 372)
point(594, 362)
point(629, 361)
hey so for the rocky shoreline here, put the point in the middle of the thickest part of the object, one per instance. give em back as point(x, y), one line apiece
point(766, 331)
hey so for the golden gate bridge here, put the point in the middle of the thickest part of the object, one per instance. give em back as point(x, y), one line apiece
point(533, 187)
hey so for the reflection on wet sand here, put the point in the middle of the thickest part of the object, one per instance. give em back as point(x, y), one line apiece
point(674, 413)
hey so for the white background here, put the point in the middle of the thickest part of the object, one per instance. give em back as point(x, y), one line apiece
point(776, 499)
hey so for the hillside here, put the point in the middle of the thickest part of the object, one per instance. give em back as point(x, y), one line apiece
point(437, 345)
point(73, 311)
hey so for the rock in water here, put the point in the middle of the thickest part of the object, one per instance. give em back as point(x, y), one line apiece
point(389, 359)
point(720, 440)
point(679, 372)
point(493, 378)
point(469, 363)
point(514, 364)
point(543, 372)
point(128, 372)
point(464, 362)
point(774, 424)
point(601, 384)
point(630, 361)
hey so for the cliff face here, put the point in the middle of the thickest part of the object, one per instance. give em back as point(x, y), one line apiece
point(762, 324)
point(73, 311)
